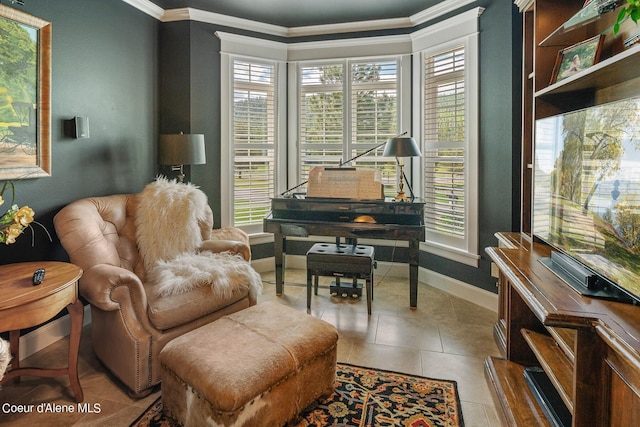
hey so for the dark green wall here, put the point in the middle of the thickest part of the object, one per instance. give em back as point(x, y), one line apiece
point(205, 116)
point(190, 97)
point(104, 66)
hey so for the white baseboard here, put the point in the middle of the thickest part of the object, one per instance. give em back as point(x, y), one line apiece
point(459, 289)
point(455, 287)
point(49, 333)
point(264, 265)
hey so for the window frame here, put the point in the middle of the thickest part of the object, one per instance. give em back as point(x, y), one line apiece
point(459, 31)
point(349, 57)
point(259, 52)
point(255, 205)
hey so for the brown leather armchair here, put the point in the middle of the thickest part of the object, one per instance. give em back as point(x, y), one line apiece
point(131, 324)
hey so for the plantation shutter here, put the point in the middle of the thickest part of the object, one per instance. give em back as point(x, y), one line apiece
point(321, 116)
point(374, 100)
point(253, 141)
point(444, 154)
point(360, 97)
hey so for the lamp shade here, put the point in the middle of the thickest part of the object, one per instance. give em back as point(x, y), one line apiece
point(181, 149)
point(401, 146)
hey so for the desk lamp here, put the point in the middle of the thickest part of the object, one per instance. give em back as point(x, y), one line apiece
point(181, 149)
point(402, 146)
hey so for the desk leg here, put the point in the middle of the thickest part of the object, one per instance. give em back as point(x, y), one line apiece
point(76, 313)
point(278, 250)
point(414, 257)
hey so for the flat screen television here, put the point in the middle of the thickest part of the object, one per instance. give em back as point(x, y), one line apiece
point(586, 198)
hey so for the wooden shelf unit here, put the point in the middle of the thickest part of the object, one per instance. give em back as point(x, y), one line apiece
point(507, 379)
point(589, 348)
point(554, 363)
point(565, 339)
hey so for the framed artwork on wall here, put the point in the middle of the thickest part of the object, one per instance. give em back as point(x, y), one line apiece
point(573, 59)
point(25, 95)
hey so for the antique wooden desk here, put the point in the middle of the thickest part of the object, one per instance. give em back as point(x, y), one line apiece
point(23, 305)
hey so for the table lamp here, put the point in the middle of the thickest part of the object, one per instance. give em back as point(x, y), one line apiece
point(181, 149)
point(402, 146)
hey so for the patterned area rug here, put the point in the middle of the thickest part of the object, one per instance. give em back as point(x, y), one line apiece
point(367, 397)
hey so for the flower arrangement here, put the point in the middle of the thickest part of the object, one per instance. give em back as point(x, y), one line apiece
point(15, 219)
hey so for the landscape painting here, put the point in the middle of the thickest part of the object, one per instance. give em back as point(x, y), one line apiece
point(25, 140)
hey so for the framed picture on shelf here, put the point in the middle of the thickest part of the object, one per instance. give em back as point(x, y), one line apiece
point(573, 59)
point(602, 6)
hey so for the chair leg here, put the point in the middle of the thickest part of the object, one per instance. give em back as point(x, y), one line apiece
point(309, 289)
point(315, 285)
point(372, 282)
point(369, 284)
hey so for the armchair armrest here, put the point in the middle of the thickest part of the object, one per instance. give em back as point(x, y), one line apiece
point(229, 233)
point(233, 246)
point(107, 286)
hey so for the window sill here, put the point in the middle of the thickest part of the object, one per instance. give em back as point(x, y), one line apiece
point(260, 238)
point(453, 254)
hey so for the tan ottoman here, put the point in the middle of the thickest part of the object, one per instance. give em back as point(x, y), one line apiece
point(258, 367)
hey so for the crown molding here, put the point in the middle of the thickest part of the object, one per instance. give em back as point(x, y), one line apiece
point(457, 26)
point(186, 14)
point(438, 10)
point(349, 27)
point(190, 14)
point(465, 19)
point(147, 7)
point(381, 24)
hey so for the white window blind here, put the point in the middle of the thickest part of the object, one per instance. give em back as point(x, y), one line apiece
point(445, 140)
point(345, 109)
point(374, 100)
point(253, 141)
point(321, 122)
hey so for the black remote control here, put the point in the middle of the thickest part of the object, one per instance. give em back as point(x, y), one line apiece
point(38, 276)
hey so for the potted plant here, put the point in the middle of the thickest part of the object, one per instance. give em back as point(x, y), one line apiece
point(630, 10)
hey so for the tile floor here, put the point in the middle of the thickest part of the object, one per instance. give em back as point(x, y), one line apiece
point(445, 337)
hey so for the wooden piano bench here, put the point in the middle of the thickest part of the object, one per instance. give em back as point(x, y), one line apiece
point(341, 261)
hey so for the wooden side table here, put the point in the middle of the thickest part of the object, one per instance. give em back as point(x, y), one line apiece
point(23, 305)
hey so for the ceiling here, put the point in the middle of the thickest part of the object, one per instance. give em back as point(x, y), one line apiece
point(299, 13)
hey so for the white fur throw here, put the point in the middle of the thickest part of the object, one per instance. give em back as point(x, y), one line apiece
point(5, 356)
point(167, 220)
point(168, 237)
point(223, 271)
